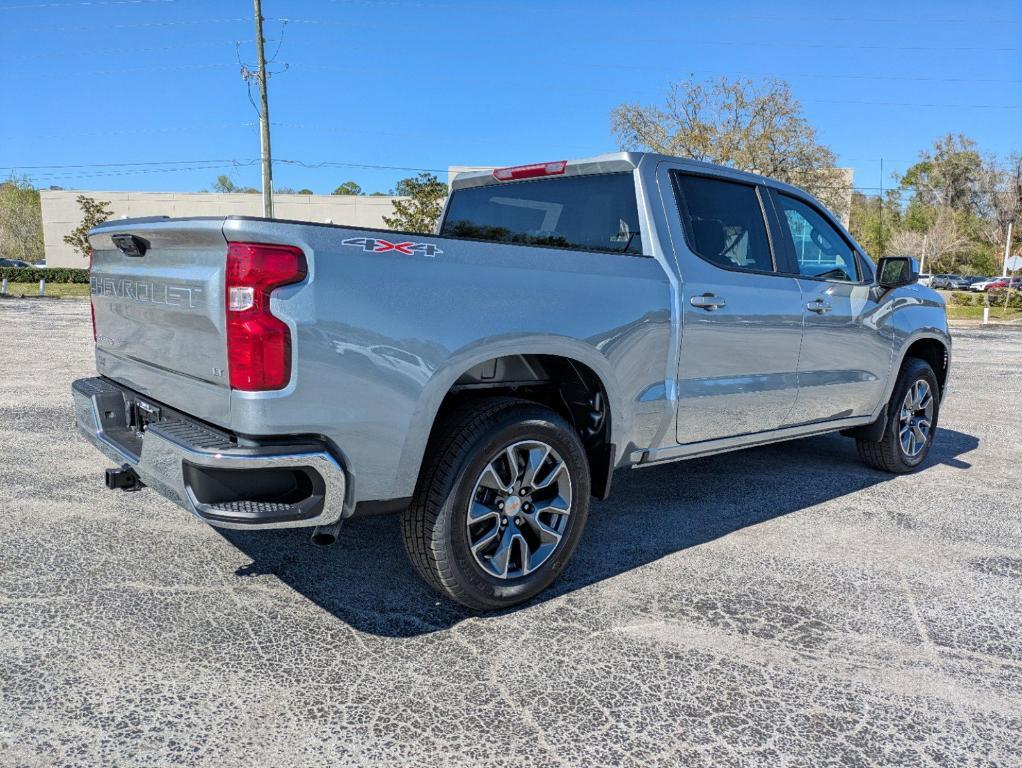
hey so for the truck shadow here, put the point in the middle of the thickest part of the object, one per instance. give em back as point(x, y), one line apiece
point(366, 581)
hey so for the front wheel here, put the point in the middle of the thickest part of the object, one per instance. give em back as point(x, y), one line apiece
point(500, 505)
point(911, 421)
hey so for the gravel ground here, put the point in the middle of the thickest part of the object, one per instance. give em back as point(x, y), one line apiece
point(780, 606)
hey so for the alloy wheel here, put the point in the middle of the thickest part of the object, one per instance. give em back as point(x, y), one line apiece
point(519, 509)
point(916, 418)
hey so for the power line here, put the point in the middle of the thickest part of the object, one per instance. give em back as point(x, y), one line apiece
point(505, 33)
point(81, 3)
point(124, 165)
point(119, 70)
point(138, 25)
point(583, 89)
point(815, 18)
point(137, 131)
point(134, 172)
point(33, 74)
point(119, 51)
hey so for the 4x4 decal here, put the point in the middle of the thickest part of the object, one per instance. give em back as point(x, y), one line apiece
point(378, 245)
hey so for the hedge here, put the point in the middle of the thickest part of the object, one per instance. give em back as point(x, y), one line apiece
point(979, 299)
point(52, 275)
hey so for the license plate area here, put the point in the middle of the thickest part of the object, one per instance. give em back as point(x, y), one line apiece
point(141, 414)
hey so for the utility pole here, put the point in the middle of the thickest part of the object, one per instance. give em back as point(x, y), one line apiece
point(880, 238)
point(1014, 215)
point(264, 115)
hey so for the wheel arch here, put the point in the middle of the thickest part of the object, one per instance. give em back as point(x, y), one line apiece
point(932, 349)
point(555, 372)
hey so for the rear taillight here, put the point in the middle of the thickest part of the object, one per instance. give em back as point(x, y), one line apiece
point(259, 344)
point(530, 171)
point(92, 307)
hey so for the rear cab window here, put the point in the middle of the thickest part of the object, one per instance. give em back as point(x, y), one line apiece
point(589, 212)
point(724, 222)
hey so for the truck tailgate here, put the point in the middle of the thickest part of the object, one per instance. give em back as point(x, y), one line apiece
point(160, 320)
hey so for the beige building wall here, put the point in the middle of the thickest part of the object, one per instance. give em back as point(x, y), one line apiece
point(61, 213)
point(454, 170)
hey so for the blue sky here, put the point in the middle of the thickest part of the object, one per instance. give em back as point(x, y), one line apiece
point(429, 84)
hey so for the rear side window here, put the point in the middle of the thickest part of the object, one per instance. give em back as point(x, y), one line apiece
point(591, 213)
point(724, 222)
point(820, 250)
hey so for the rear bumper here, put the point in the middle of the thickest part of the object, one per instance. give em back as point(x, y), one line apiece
point(258, 486)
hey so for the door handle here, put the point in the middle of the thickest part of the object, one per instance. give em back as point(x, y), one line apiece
point(819, 306)
point(707, 301)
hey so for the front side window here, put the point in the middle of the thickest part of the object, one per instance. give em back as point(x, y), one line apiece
point(725, 222)
point(595, 212)
point(820, 251)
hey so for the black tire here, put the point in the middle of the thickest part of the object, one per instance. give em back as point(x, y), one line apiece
point(434, 527)
point(888, 454)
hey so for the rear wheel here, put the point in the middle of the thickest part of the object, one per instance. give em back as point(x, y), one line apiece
point(911, 421)
point(501, 503)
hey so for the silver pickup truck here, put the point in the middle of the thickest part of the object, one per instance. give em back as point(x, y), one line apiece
point(568, 319)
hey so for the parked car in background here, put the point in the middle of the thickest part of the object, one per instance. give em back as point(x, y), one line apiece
point(1004, 282)
point(949, 282)
point(924, 279)
point(973, 279)
point(981, 285)
point(14, 263)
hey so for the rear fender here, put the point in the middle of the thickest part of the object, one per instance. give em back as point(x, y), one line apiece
point(440, 384)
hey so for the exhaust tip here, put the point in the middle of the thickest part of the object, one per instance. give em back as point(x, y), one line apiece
point(324, 539)
point(326, 535)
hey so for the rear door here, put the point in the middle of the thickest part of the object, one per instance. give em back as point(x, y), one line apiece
point(741, 319)
point(847, 349)
point(160, 320)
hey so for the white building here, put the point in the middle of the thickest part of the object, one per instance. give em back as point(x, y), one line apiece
point(61, 214)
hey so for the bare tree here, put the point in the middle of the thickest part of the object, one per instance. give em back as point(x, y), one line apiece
point(1000, 199)
point(21, 223)
point(941, 243)
point(750, 126)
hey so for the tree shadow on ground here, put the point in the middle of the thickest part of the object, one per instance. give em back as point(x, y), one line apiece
point(367, 581)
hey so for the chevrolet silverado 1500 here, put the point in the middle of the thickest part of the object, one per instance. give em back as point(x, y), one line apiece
point(567, 319)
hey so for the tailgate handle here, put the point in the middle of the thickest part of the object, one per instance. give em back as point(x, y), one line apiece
point(130, 245)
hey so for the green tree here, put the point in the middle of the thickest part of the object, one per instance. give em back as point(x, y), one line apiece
point(226, 184)
point(348, 188)
point(421, 211)
point(959, 206)
point(948, 175)
point(94, 213)
point(21, 221)
point(740, 123)
point(305, 191)
point(873, 222)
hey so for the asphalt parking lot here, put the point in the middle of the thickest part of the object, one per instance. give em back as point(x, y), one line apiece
point(781, 606)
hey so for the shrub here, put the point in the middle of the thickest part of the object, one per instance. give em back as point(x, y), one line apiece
point(54, 275)
point(970, 299)
point(1014, 299)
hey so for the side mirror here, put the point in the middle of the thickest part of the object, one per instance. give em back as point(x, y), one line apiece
point(895, 271)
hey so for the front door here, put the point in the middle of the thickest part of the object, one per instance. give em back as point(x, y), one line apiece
point(741, 319)
point(847, 348)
